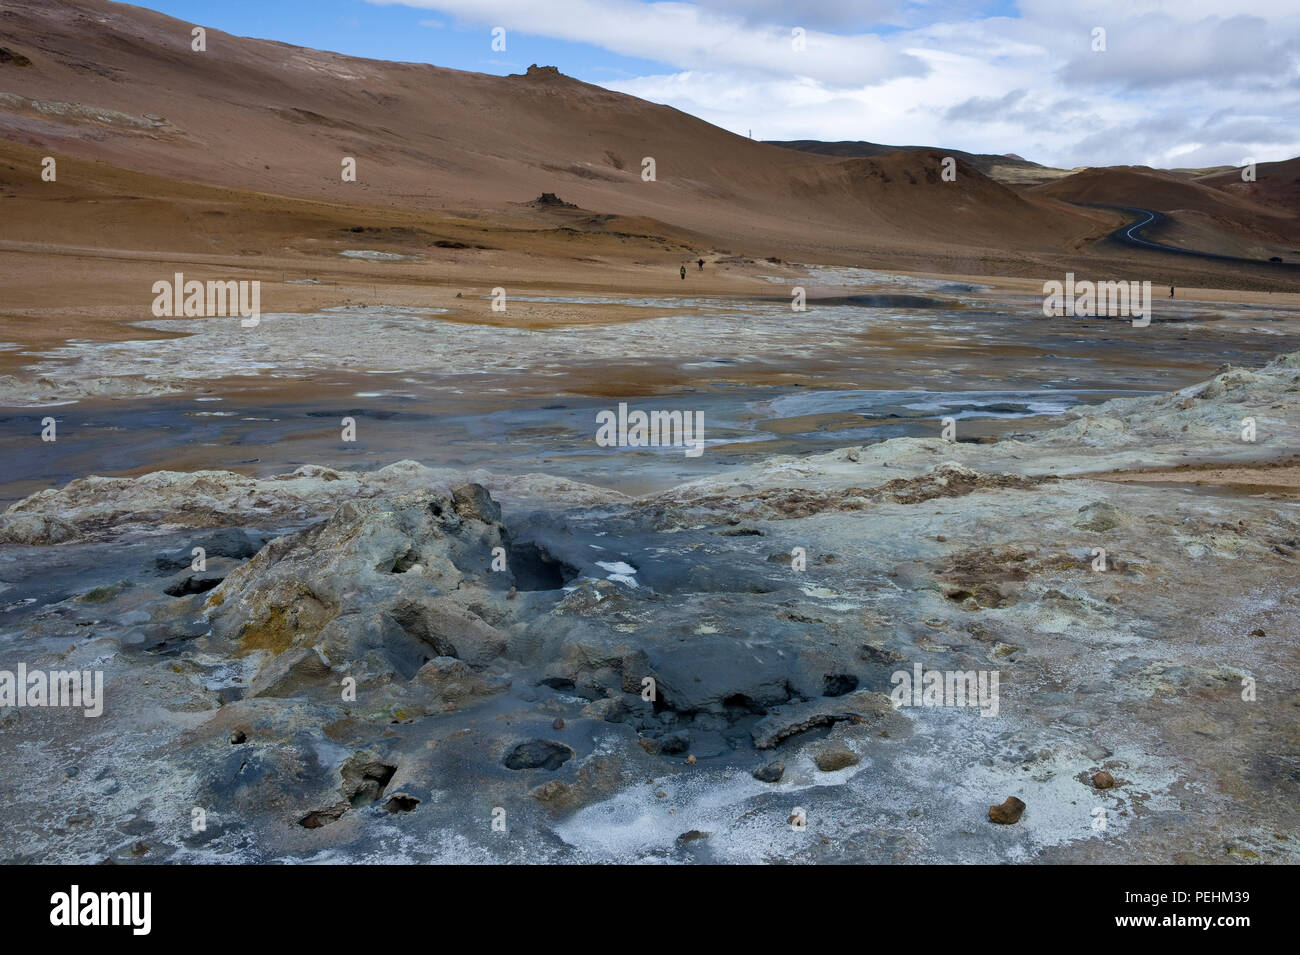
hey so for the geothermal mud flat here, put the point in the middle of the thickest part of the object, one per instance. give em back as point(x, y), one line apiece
point(349, 678)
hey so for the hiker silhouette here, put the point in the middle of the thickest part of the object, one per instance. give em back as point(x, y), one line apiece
point(701, 265)
point(683, 273)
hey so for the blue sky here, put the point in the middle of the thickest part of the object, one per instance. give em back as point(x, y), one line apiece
point(393, 32)
point(1171, 82)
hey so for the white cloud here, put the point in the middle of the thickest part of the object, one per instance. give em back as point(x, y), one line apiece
point(1181, 82)
point(689, 37)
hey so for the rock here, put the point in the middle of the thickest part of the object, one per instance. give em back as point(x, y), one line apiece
point(1008, 812)
point(290, 673)
point(836, 756)
point(634, 667)
point(473, 502)
point(1101, 516)
point(1103, 780)
point(101, 507)
point(690, 760)
point(558, 724)
point(859, 707)
point(453, 683)
point(19, 528)
point(547, 198)
point(770, 772)
point(678, 742)
point(345, 587)
point(610, 709)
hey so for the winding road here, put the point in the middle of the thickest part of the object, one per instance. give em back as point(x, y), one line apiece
point(1131, 235)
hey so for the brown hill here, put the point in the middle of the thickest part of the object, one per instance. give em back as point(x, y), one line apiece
point(122, 85)
point(1008, 167)
point(1276, 184)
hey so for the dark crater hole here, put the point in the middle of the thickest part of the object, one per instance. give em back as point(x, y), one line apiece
point(535, 568)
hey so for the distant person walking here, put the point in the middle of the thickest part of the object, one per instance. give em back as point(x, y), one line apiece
point(1171, 291)
point(701, 265)
point(683, 273)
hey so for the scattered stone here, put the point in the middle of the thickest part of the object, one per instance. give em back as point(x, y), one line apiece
point(1103, 780)
point(611, 709)
point(835, 756)
point(1008, 812)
